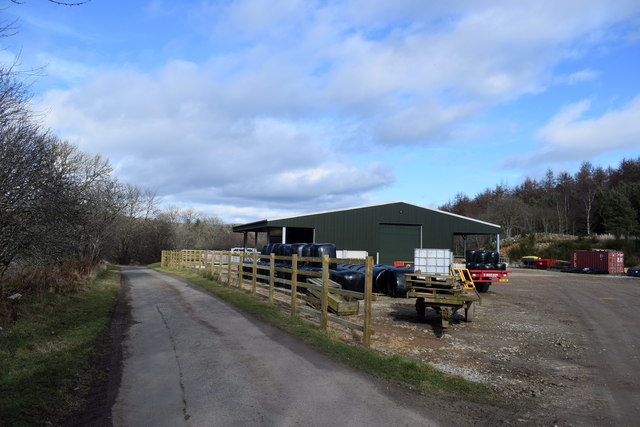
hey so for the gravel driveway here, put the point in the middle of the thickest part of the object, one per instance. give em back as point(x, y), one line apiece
point(564, 348)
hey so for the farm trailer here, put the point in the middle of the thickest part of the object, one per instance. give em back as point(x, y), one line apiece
point(445, 294)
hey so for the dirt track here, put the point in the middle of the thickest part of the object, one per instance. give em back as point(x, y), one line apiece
point(563, 347)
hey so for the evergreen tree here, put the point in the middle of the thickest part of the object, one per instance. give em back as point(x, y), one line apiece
point(620, 219)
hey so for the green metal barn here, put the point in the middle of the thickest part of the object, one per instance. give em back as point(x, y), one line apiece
point(388, 232)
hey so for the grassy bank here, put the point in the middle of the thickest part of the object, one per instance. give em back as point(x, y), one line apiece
point(403, 370)
point(45, 355)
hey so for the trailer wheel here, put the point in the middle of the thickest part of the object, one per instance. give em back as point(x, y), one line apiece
point(420, 309)
point(469, 312)
point(483, 286)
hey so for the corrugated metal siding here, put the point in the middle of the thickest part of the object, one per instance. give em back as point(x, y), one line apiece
point(357, 229)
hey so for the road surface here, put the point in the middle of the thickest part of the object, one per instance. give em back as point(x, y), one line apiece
point(192, 360)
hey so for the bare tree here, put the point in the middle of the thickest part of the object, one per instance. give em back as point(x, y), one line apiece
point(588, 181)
point(508, 211)
point(26, 172)
point(133, 226)
point(61, 3)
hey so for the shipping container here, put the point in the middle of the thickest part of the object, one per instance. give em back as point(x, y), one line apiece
point(606, 260)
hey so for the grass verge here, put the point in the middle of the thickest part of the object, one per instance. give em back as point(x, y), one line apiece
point(403, 370)
point(45, 356)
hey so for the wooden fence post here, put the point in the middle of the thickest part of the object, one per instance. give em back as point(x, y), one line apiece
point(228, 268)
point(294, 284)
point(272, 265)
point(240, 270)
point(324, 300)
point(368, 284)
point(254, 279)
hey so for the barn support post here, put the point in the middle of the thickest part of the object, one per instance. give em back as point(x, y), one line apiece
point(244, 240)
point(284, 234)
point(255, 239)
point(497, 243)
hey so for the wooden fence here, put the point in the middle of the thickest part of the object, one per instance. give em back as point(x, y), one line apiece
point(252, 271)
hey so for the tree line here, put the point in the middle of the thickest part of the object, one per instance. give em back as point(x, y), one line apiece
point(594, 200)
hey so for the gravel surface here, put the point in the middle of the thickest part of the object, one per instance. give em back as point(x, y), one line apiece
point(562, 347)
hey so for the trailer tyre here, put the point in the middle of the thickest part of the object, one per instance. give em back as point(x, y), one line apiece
point(420, 309)
point(482, 287)
point(470, 312)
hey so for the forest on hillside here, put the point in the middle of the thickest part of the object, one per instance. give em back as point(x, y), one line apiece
point(592, 201)
point(595, 208)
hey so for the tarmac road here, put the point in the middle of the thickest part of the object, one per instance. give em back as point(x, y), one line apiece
point(190, 359)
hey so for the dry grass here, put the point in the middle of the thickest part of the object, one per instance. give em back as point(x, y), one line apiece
point(64, 278)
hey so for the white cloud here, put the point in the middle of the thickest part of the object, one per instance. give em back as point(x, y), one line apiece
point(284, 84)
point(365, 59)
point(571, 136)
point(173, 131)
point(577, 77)
point(71, 72)
point(615, 129)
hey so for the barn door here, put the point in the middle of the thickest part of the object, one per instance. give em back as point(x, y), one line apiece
point(396, 242)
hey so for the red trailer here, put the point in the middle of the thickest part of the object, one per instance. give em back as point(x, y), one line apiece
point(482, 279)
point(543, 263)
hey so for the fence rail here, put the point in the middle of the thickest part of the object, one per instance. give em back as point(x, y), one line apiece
point(252, 271)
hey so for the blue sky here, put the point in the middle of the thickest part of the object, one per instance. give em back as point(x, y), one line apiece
point(256, 109)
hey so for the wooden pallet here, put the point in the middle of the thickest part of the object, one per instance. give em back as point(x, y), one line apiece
point(440, 290)
point(338, 304)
